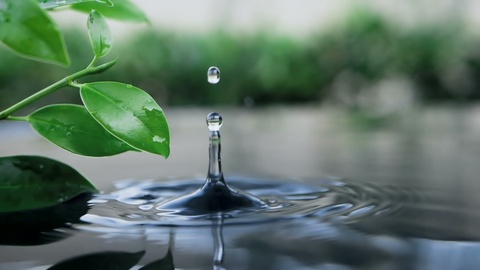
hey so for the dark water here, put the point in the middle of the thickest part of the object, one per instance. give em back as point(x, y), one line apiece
point(409, 200)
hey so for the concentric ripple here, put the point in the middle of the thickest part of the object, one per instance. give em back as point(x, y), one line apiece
point(140, 202)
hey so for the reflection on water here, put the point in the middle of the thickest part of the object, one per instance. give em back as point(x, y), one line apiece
point(418, 173)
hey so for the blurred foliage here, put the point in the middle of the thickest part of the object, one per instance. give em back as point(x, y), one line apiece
point(440, 61)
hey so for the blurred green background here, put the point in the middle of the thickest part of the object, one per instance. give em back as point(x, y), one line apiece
point(368, 90)
point(364, 60)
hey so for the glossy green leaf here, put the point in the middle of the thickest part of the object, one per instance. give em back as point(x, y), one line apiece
point(73, 128)
point(130, 114)
point(31, 182)
point(29, 31)
point(49, 4)
point(123, 10)
point(99, 33)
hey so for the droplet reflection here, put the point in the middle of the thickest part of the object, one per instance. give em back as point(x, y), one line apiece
point(214, 121)
point(213, 75)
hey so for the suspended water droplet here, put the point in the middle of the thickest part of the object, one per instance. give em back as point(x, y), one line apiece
point(213, 75)
point(214, 121)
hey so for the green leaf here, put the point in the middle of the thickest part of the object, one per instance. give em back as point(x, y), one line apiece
point(29, 31)
point(30, 182)
point(130, 114)
point(72, 128)
point(49, 4)
point(99, 33)
point(123, 10)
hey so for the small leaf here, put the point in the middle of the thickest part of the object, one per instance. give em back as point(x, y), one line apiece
point(99, 33)
point(72, 128)
point(29, 31)
point(49, 4)
point(30, 182)
point(130, 114)
point(123, 10)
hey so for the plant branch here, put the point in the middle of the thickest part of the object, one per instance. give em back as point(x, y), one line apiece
point(52, 88)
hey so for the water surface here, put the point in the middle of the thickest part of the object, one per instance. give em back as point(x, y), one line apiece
point(404, 195)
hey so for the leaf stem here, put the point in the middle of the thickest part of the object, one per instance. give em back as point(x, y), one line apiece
point(94, 61)
point(52, 88)
point(17, 118)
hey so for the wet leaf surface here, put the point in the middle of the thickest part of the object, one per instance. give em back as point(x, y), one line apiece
point(73, 128)
point(33, 182)
point(29, 31)
point(99, 33)
point(130, 114)
point(123, 10)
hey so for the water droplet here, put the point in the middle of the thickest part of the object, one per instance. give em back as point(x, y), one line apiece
point(158, 139)
point(107, 2)
point(61, 2)
point(129, 86)
point(214, 121)
point(69, 134)
point(213, 75)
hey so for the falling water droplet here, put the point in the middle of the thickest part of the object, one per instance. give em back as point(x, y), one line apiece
point(213, 75)
point(214, 121)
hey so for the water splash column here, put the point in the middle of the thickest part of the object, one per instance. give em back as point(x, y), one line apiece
point(215, 174)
